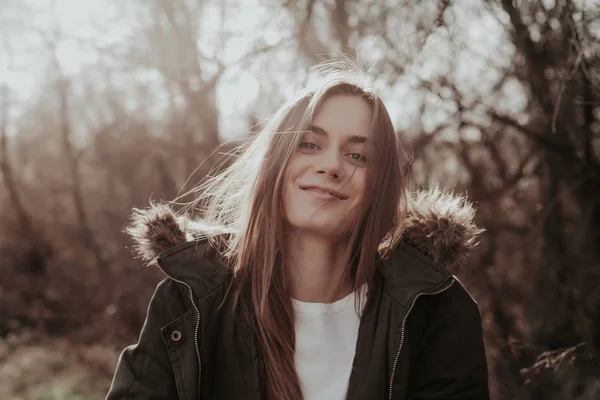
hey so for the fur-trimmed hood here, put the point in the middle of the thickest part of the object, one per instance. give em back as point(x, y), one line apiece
point(439, 225)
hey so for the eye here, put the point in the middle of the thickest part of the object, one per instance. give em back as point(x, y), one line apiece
point(357, 158)
point(310, 146)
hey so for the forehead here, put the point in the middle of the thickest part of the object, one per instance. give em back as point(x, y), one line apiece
point(345, 115)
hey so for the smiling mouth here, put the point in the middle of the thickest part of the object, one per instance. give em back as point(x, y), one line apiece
point(325, 191)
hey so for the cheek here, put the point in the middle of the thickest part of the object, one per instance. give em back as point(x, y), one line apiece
point(360, 185)
point(291, 174)
point(294, 168)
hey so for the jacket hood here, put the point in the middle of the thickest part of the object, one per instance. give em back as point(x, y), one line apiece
point(439, 224)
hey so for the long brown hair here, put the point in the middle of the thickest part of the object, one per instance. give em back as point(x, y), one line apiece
point(246, 200)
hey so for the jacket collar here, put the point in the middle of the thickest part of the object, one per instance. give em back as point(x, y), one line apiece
point(438, 235)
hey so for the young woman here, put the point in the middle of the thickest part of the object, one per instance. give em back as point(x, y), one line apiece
point(311, 272)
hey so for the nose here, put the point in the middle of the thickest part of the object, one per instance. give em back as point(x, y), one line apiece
point(329, 164)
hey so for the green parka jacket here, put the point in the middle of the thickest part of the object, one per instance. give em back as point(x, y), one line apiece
point(420, 336)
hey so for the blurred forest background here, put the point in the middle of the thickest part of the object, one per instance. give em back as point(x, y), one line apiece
point(104, 104)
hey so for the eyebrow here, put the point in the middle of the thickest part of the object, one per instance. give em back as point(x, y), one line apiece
point(351, 139)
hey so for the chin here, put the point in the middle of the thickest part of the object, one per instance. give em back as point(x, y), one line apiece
point(325, 227)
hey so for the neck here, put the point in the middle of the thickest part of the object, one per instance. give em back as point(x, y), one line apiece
point(316, 268)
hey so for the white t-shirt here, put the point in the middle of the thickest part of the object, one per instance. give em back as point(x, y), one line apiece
point(326, 337)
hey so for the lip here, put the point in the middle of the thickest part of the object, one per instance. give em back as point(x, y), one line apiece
point(325, 191)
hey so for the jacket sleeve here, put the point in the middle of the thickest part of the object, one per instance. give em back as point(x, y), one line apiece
point(450, 361)
point(144, 370)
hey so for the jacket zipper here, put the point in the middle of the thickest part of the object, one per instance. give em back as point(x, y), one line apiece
point(412, 304)
point(197, 328)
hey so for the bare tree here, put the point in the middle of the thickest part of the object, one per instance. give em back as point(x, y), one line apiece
point(40, 250)
point(73, 164)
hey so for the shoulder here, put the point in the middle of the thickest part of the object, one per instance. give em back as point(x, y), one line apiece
point(429, 284)
point(451, 313)
point(454, 302)
point(179, 247)
point(195, 264)
point(437, 237)
point(168, 300)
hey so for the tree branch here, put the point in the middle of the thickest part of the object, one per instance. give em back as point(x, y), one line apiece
point(538, 137)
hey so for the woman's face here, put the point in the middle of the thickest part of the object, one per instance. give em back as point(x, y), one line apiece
point(325, 179)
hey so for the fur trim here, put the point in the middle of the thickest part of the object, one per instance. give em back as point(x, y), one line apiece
point(439, 225)
point(154, 230)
